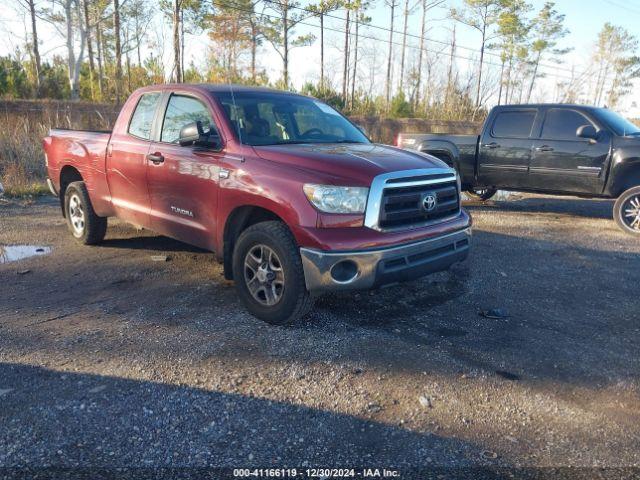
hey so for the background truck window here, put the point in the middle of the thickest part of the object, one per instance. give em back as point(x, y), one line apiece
point(561, 124)
point(142, 117)
point(513, 124)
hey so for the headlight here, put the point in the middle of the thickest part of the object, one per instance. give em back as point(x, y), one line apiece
point(331, 199)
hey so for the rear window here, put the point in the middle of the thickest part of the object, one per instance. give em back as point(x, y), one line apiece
point(514, 123)
point(142, 118)
point(562, 124)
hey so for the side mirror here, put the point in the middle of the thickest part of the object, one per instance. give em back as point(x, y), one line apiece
point(194, 134)
point(587, 131)
point(191, 133)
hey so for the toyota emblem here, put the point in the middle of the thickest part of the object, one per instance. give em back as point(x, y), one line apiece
point(429, 202)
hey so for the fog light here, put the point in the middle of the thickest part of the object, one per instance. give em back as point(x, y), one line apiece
point(345, 271)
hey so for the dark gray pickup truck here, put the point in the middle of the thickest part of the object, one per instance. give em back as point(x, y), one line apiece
point(547, 148)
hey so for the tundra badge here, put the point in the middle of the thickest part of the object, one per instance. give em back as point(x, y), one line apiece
point(181, 211)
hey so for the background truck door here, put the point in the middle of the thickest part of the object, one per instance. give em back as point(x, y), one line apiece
point(563, 161)
point(127, 163)
point(183, 181)
point(505, 148)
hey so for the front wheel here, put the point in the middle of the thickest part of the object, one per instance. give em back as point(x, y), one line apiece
point(626, 211)
point(268, 274)
point(85, 226)
point(481, 193)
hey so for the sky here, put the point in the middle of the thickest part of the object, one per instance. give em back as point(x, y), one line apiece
point(584, 19)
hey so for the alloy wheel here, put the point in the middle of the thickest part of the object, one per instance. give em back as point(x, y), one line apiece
point(76, 214)
point(264, 275)
point(631, 212)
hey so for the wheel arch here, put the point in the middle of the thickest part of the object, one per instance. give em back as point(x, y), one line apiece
point(625, 175)
point(238, 220)
point(68, 174)
point(443, 150)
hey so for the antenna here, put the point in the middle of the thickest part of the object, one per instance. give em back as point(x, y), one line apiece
point(235, 107)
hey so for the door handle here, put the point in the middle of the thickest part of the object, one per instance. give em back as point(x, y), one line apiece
point(491, 145)
point(156, 158)
point(544, 148)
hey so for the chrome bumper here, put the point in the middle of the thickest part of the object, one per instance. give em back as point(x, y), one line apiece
point(373, 268)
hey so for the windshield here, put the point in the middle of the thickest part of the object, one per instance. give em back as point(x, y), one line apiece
point(263, 118)
point(620, 125)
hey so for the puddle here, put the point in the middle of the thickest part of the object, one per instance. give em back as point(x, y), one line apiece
point(12, 253)
point(500, 196)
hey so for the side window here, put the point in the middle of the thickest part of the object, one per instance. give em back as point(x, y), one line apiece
point(142, 118)
point(181, 111)
point(561, 124)
point(513, 124)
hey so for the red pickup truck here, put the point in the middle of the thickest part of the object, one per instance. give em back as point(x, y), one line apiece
point(290, 195)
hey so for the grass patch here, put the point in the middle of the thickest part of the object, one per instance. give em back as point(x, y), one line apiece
point(35, 189)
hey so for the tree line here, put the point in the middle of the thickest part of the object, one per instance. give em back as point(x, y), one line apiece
point(112, 47)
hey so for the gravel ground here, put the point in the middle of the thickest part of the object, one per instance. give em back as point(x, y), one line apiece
point(111, 359)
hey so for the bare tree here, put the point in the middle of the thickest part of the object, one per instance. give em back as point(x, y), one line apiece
point(280, 32)
point(118, 46)
point(30, 6)
point(392, 5)
point(480, 15)
point(345, 68)
point(176, 17)
point(321, 9)
point(67, 19)
point(426, 6)
point(548, 28)
point(361, 19)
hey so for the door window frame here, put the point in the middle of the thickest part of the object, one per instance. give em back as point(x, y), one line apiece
point(535, 111)
point(162, 111)
point(576, 139)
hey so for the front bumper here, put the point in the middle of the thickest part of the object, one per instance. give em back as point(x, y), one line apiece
point(325, 271)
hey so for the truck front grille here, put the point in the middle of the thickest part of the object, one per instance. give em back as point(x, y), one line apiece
point(412, 199)
point(404, 207)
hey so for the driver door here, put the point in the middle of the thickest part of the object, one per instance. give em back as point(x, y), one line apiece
point(183, 180)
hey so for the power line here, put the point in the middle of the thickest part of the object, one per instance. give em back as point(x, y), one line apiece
point(488, 51)
point(574, 76)
point(623, 7)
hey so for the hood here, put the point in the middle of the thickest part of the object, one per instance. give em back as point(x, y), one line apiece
point(353, 163)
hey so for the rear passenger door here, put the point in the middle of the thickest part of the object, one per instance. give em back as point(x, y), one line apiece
point(127, 161)
point(505, 149)
point(564, 162)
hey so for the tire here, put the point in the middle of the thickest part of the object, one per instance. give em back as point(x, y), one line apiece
point(269, 248)
point(85, 226)
point(481, 193)
point(626, 211)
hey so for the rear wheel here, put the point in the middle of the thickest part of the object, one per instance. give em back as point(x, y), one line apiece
point(268, 273)
point(85, 226)
point(481, 193)
point(626, 211)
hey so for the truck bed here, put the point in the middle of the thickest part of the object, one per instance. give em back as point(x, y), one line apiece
point(83, 150)
point(464, 148)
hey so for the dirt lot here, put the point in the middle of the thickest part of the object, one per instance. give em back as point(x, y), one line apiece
point(108, 358)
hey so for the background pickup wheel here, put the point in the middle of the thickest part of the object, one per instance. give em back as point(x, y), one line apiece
point(85, 226)
point(268, 274)
point(481, 193)
point(626, 211)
